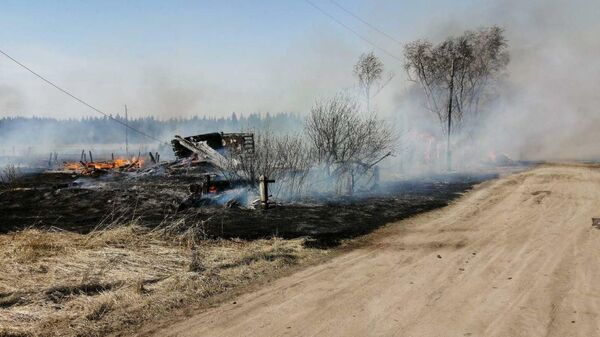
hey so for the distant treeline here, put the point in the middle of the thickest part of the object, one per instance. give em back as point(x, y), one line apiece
point(103, 130)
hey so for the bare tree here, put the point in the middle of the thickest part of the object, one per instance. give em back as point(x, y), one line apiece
point(8, 176)
point(455, 74)
point(368, 70)
point(343, 141)
point(490, 58)
point(284, 158)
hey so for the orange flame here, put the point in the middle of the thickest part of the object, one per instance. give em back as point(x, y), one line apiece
point(117, 164)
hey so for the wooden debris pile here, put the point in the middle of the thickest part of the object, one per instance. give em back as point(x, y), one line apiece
point(200, 154)
point(92, 167)
point(203, 153)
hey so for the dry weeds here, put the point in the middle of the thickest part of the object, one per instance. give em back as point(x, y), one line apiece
point(113, 280)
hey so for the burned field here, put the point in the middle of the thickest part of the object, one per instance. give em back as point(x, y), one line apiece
point(71, 202)
point(100, 255)
point(218, 187)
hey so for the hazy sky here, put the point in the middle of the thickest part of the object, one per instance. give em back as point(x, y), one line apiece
point(180, 58)
point(183, 58)
point(177, 58)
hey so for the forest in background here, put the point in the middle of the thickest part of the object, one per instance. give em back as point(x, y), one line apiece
point(102, 130)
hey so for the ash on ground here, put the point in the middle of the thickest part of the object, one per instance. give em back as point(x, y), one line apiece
point(71, 202)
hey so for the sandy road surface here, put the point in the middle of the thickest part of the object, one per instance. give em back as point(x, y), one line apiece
point(516, 257)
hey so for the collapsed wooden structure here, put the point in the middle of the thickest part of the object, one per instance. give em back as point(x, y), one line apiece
point(209, 151)
point(211, 144)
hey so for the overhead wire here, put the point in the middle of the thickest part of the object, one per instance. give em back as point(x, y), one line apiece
point(373, 27)
point(79, 99)
point(66, 92)
point(353, 31)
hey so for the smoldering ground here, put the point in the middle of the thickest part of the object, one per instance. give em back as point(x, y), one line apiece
point(85, 204)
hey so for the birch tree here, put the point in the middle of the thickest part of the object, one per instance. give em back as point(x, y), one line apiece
point(456, 73)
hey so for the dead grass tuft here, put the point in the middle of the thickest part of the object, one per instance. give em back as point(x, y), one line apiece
point(30, 245)
point(113, 280)
point(99, 308)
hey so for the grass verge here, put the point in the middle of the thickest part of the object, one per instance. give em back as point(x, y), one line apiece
point(114, 280)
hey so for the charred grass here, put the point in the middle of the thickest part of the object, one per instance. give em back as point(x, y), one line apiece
point(112, 281)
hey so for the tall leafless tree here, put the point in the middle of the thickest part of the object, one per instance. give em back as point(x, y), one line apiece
point(456, 73)
point(343, 140)
point(369, 71)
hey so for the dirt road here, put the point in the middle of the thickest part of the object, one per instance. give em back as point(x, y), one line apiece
point(515, 257)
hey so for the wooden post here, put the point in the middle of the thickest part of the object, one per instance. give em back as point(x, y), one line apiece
point(263, 190)
point(206, 184)
point(126, 134)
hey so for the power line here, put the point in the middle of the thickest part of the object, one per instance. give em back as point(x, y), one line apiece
point(366, 23)
point(353, 31)
point(79, 99)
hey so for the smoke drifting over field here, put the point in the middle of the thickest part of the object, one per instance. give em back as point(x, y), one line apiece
point(547, 108)
point(550, 104)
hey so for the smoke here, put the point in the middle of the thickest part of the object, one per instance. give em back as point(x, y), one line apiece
point(550, 110)
point(548, 106)
point(10, 98)
point(177, 85)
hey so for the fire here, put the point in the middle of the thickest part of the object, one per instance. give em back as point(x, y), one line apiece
point(499, 159)
point(427, 144)
point(120, 164)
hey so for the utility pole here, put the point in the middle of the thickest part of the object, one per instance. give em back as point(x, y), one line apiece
point(450, 97)
point(126, 133)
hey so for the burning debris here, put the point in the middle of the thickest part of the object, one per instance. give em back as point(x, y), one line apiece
point(499, 159)
point(209, 155)
point(218, 162)
point(205, 160)
point(92, 168)
point(204, 154)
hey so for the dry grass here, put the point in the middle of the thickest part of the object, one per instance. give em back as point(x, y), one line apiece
point(114, 280)
point(8, 176)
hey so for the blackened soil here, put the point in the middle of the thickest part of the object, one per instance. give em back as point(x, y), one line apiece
point(80, 204)
point(329, 222)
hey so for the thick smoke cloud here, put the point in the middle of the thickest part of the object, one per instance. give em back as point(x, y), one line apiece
point(548, 102)
point(549, 105)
